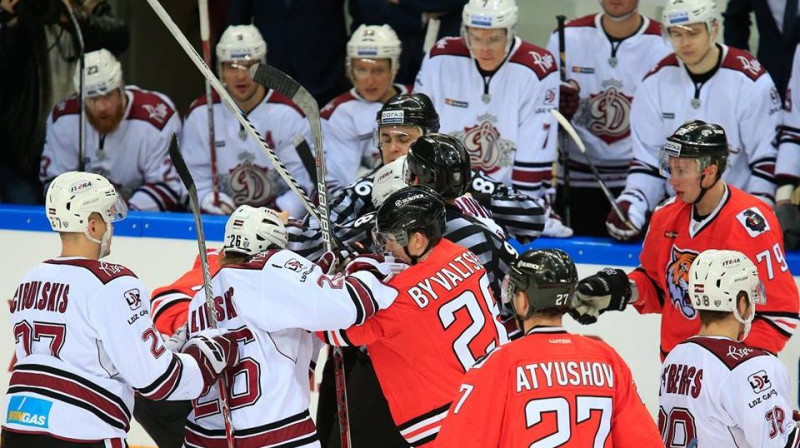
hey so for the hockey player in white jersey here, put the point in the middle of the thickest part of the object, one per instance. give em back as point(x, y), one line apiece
point(84, 339)
point(715, 390)
point(696, 82)
point(128, 132)
point(788, 165)
point(607, 55)
point(270, 298)
point(373, 58)
point(244, 174)
point(494, 92)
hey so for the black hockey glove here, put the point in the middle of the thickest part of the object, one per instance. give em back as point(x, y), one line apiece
point(609, 289)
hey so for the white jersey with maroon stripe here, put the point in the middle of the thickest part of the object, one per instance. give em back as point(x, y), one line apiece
point(608, 75)
point(723, 393)
point(272, 302)
point(348, 124)
point(505, 122)
point(134, 157)
point(84, 343)
point(245, 173)
point(740, 97)
point(787, 169)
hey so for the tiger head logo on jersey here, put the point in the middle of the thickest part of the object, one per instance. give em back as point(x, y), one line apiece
point(607, 115)
point(487, 150)
point(678, 280)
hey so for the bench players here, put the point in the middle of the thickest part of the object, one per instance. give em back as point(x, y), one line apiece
point(549, 388)
point(84, 339)
point(716, 390)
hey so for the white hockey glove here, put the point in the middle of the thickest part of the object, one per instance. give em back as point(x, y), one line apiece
point(176, 342)
point(554, 227)
point(225, 206)
point(633, 205)
point(609, 289)
point(383, 268)
point(214, 351)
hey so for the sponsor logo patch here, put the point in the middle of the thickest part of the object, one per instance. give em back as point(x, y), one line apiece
point(586, 70)
point(753, 221)
point(759, 381)
point(455, 103)
point(134, 298)
point(29, 411)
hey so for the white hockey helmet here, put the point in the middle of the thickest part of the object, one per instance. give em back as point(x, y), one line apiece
point(73, 196)
point(252, 230)
point(687, 12)
point(490, 14)
point(241, 43)
point(388, 179)
point(103, 73)
point(374, 42)
point(718, 277)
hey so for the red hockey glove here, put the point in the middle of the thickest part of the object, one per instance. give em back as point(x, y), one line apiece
point(214, 352)
point(367, 262)
point(569, 98)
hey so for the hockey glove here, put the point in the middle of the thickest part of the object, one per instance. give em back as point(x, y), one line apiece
point(569, 98)
point(609, 289)
point(225, 206)
point(176, 342)
point(214, 352)
point(789, 218)
point(554, 227)
point(633, 206)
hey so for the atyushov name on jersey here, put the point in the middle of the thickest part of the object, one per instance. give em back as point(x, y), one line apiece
point(564, 373)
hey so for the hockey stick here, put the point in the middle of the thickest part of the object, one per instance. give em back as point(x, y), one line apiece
point(202, 6)
point(231, 104)
point(272, 78)
point(563, 149)
point(188, 182)
point(81, 87)
point(569, 130)
point(304, 152)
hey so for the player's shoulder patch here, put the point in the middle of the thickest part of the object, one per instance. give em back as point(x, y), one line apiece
point(654, 28)
point(333, 104)
point(730, 353)
point(255, 263)
point(753, 221)
point(669, 61)
point(744, 62)
point(150, 107)
point(104, 271)
point(450, 46)
point(535, 58)
point(278, 98)
point(582, 22)
point(201, 101)
point(68, 106)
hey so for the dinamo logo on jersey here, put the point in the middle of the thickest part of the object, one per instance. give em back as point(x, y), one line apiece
point(487, 150)
point(608, 115)
point(253, 184)
point(678, 280)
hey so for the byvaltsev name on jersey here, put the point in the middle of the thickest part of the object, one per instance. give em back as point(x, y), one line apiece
point(461, 268)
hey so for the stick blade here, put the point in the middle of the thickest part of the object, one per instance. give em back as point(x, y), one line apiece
point(180, 164)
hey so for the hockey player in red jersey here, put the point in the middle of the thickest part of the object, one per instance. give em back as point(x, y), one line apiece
point(549, 388)
point(705, 213)
point(444, 318)
point(715, 390)
point(84, 339)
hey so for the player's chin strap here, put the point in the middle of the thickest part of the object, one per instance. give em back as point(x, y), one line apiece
point(415, 258)
point(103, 242)
point(704, 190)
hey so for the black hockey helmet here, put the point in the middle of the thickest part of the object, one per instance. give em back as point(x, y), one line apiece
point(441, 162)
point(547, 276)
point(696, 139)
point(410, 209)
point(409, 109)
